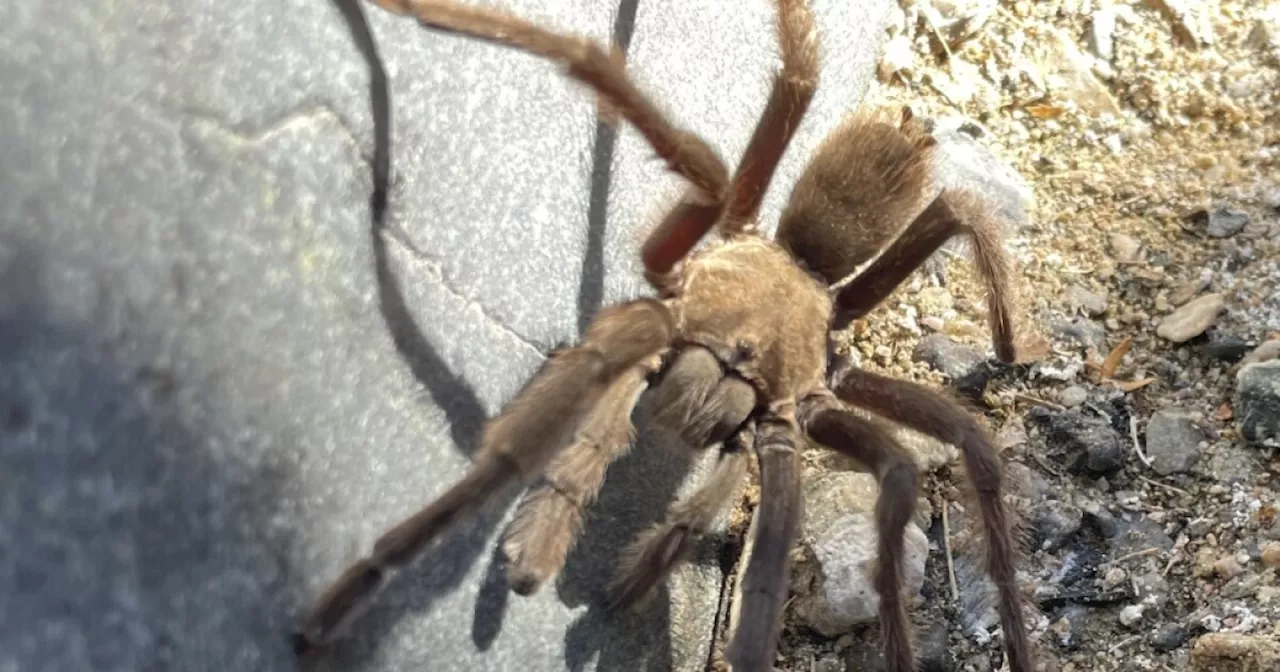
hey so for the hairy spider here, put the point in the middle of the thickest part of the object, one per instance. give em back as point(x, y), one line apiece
point(734, 353)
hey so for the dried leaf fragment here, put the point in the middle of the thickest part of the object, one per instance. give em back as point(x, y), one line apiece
point(1112, 362)
point(1132, 385)
point(1044, 111)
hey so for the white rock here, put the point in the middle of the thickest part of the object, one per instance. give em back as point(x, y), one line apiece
point(899, 56)
point(1102, 28)
point(1131, 615)
point(1069, 72)
point(835, 591)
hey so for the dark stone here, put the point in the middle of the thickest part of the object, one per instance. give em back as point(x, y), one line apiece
point(933, 652)
point(1226, 347)
point(952, 359)
point(1226, 222)
point(865, 655)
point(934, 649)
point(1169, 636)
point(1091, 303)
point(1258, 402)
point(1055, 522)
point(1086, 443)
point(1136, 535)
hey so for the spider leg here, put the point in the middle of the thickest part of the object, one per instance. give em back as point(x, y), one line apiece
point(951, 213)
point(605, 72)
point(930, 230)
point(929, 412)
point(515, 445)
point(828, 422)
point(994, 267)
point(549, 518)
point(789, 98)
point(764, 585)
point(708, 407)
point(652, 556)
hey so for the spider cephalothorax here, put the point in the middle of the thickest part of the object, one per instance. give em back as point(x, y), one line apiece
point(733, 354)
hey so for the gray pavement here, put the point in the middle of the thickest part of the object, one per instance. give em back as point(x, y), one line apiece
point(217, 387)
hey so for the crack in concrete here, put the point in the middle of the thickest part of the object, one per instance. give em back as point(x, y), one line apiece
point(314, 117)
point(310, 116)
point(398, 237)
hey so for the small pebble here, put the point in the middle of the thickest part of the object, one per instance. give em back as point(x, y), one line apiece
point(1069, 629)
point(952, 359)
point(1263, 353)
point(1226, 222)
point(1169, 637)
point(1228, 567)
point(1258, 402)
point(1272, 198)
point(1125, 248)
point(1199, 527)
point(1073, 396)
point(1102, 28)
point(1131, 615)
point(1192, 319)
point(1271, 554)
point(1092, 304)
point(1236, 652)
point(1173, 442)
point(1082, 331)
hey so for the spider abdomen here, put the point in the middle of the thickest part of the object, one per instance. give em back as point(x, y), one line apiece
point(862, 186)
point(747, 300)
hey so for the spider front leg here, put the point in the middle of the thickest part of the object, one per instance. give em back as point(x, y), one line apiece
point(763, 588)
point(605, 72)
point(789, 98)
point(828, 422)
point(927, 411)
point(549, 517)
point(515, 446)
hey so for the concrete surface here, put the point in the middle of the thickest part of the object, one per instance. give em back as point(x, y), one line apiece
point(217, 387)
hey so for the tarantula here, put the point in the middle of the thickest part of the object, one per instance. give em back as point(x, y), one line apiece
point(734, 352)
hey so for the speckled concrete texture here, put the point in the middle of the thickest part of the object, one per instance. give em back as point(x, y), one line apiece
point(217, 387)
